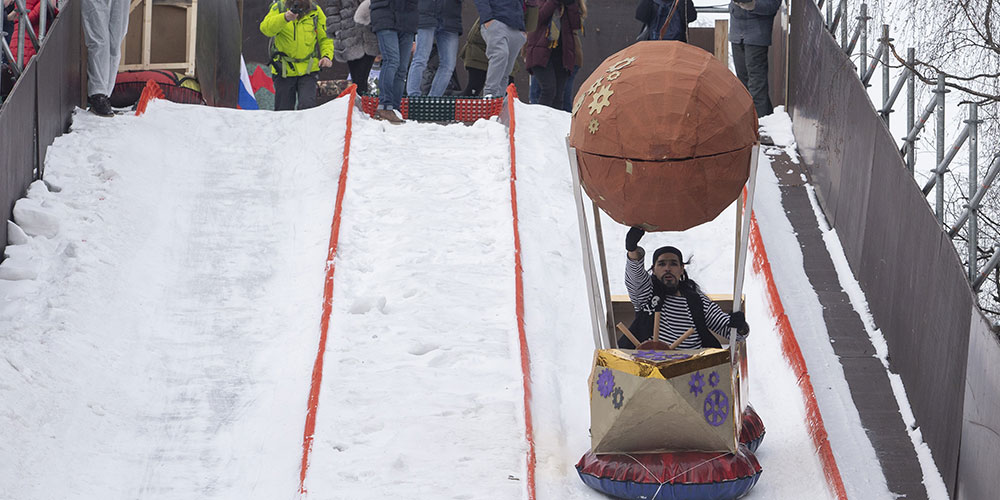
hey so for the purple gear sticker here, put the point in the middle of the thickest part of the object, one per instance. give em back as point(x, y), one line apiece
point(713, 379)
point(618, 398)
point(678, 355)
point(606, 382)
point(697, 382)
point(652, 355)
point(716, 408)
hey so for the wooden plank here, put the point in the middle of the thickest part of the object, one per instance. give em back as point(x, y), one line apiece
point(147, 31)
point(722, 40)
point(192, 38)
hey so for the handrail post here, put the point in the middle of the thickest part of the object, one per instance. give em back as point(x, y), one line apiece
point(910, 109)
point(21, 28)
point(981, 277)
point(43, 19)
point(843, 24)
point(940, 91)
point(829, 16)
point(885, 74)
point(973, 123)
point(863, 20)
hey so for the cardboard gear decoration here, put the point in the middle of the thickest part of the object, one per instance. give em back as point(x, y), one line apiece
point(663, 133)
point(663, 401)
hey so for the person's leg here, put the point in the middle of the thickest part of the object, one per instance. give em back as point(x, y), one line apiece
point(359, 70)
point(546, 82)
point(561, 76)
point(405, 44)
point(474, 86)
point(756, 62)
point(534, 90)
point(306, 90)
point(284, 93)
point(428, 76)
point(567, 104)
point(740, 62)
point(496, 54)
point(118, 25)
point(96, 15)
point(447, 44)
point(515, 40)
point(388, 44)
point(425, 41)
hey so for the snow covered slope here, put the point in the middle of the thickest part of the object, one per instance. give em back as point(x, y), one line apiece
point(159, 318)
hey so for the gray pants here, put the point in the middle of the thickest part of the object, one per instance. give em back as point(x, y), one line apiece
point(104, 25)
point(503, 44)
point(751, 69)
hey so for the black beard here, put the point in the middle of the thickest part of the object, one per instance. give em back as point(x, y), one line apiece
point(662, 289)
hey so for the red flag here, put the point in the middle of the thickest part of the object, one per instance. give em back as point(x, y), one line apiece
point(259, 80)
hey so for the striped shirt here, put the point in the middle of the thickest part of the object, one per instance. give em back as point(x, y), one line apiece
point(675, 318)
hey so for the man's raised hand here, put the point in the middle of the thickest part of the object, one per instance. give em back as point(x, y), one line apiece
point(633, 237)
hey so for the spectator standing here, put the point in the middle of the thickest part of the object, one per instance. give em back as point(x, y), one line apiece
point(665, 19)
point(440, 22)
point(354, 44)
point(299, 48)
point(502, 27)
point(750, 25)
point(104, 25)
point(394, 23)
point(550, 52)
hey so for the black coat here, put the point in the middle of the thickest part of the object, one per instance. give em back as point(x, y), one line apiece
point(396, 15)
point(441, 14)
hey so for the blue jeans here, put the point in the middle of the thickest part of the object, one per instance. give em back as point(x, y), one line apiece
point(568, 92)
point(447, 43)
point(395, 48)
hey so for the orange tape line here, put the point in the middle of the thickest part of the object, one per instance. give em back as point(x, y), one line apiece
point(790, 348)
point(317, 373)
point(519, 297)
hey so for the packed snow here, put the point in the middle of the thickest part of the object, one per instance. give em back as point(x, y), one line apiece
point(161, 297)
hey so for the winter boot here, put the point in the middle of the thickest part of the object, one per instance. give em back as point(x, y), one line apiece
point(389, 116)
point(100, 105)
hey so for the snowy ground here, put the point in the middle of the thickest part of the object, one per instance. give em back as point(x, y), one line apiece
point(159, 314)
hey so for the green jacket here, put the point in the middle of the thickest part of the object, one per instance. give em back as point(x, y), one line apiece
point(296, 46)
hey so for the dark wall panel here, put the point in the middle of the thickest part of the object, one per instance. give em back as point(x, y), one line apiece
point(39, 107)
point(17, 145)
point(60, 75)
point(977, 476)
point(217, 54)
point(906, 265)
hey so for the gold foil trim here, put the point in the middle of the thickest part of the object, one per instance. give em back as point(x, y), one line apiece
point(623, 361)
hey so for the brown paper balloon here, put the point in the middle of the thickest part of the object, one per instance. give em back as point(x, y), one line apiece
point(663, 133)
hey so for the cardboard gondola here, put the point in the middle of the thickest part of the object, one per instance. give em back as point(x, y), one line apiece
point(664, 117)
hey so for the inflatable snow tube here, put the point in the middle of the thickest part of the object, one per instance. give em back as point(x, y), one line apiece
point(176, 87)
point(752, 431)
point(685, 475)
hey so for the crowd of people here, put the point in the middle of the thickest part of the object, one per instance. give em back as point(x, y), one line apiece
point(417, 45)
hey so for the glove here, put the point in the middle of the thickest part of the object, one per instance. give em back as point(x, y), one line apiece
point(745, 4)
point(633, 237)
point(738, 320)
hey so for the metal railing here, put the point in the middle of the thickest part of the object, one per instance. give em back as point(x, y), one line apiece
point(969, 134)
point(25, 32)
